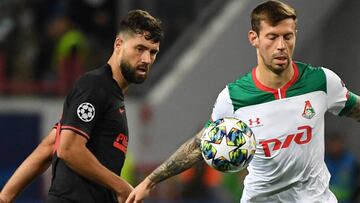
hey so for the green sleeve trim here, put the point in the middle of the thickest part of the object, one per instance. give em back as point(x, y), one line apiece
point(350, 103)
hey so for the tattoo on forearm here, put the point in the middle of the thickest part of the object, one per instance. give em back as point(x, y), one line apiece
point(355, 111)
point(186, 156)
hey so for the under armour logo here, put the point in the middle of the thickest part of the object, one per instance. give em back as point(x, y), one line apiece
point(256, 121)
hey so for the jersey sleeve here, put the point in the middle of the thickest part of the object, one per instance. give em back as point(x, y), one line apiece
point(339, 100)
point(223, 106)
point(82, 107)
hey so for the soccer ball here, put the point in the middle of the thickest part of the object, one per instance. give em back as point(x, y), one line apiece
point(228, 145)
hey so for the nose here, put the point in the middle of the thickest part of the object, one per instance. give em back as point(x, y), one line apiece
point(281, 45)
point(145, 57)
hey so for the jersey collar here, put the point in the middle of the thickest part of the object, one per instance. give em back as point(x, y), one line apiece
point(113, 81)
point(279, 93)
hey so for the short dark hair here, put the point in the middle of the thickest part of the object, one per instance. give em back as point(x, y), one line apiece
point(141, 22)
point(272, 12)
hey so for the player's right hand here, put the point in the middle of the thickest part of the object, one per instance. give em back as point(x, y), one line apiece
point(2, 199)
point(137, 195)
point(141, 192)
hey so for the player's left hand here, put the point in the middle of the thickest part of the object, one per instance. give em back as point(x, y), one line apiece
point(125, 191)
point(140, 192)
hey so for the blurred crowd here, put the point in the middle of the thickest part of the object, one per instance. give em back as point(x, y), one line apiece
point(344, 168)
point(46, 45)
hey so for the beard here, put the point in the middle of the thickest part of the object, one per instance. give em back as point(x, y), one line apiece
point(276, 68)
point(129, 73)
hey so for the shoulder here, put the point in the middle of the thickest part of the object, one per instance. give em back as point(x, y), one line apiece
point(92, 80)
point(90, 85)
point(310, 78)
point(308, 69)
point(244, 82)
point(243, 92)
point(319, 73)
point(234, 90)
point(319, 78)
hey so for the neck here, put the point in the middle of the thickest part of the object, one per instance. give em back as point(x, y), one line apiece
point(273, 79)
point(117, 75)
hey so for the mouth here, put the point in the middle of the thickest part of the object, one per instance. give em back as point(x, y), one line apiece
point(142, 70)
point(281, 60)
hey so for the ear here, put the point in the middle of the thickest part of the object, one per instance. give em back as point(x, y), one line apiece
point(253, 38)
point(118, 42)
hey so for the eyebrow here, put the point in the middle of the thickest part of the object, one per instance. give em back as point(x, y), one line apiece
point(274, 34)
point(147, 48)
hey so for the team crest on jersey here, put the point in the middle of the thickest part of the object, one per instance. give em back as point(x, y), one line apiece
point(309, 111)
point(86, 112)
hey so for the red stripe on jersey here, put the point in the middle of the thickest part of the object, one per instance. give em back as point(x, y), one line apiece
point(262, 87)
point(57, 138)
point(283, 89)
point(291, 82)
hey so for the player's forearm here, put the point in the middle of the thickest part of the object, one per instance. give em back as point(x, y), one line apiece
point(355, 111)
point(82, 161)
point(186, 156)
point(33, 166)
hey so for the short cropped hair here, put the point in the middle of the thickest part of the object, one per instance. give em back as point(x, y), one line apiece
point(272, 12)
point(141, 22)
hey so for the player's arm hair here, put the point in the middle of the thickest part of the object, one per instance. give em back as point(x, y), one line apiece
point(355, 111)
point(187, 155)
point(33, 166)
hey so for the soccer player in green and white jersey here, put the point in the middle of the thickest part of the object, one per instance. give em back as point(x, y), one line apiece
point(284, 103)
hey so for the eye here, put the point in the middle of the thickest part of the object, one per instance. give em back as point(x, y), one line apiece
point(271, 37)
point(139, 49)
point(288, 36)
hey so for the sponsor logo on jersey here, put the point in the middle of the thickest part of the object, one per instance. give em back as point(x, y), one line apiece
point(309, 111)
point(121, 142)
point(86, 112)
point(303, 136)
point(255, 122)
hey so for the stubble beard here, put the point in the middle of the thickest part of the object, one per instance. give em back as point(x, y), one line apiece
point(275, 68)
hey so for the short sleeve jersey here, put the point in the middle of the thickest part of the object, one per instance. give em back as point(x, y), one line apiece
point(94, 109)
point(288, 124)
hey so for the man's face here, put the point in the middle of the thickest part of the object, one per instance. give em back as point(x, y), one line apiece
point(275, 44)
point(136, 58)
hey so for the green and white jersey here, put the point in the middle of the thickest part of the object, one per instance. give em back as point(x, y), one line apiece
point(288, 124)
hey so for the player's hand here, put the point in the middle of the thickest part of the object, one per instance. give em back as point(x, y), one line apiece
point(141, 192)
point(125, 191)
point(3, 199)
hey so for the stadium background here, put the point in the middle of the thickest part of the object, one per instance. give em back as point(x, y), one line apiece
point(45, 45)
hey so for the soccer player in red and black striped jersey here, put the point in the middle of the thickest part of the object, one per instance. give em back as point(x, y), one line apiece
point(87, 147)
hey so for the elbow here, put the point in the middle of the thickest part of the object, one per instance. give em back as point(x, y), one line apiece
point(64, 153)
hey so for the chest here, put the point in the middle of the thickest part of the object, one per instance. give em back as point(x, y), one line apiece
point(114, 118)
point(281, 118)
